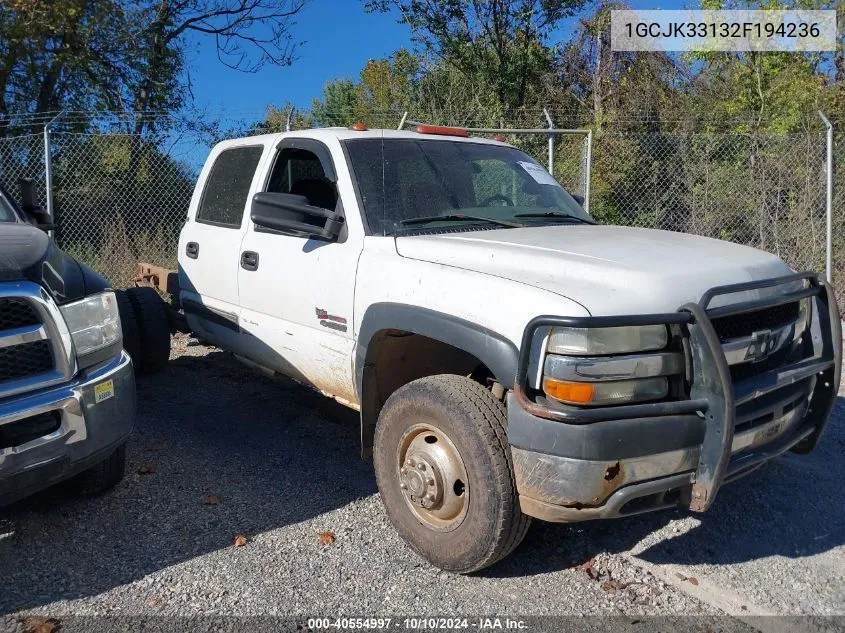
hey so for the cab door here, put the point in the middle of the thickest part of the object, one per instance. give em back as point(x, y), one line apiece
point(210, 243)
point(297, 293)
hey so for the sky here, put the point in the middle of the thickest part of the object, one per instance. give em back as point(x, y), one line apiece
point(340, 37)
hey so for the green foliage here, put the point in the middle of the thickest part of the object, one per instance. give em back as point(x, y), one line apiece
point(127, 55)
point(502, 44)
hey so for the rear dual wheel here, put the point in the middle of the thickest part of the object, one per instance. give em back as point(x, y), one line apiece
point(444, 472)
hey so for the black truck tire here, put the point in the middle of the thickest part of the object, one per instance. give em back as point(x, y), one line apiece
point(430, 434)
point(129, 327)
point(103, 476)
point(154, 327)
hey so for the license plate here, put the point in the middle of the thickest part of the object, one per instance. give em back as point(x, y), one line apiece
point(104, 391)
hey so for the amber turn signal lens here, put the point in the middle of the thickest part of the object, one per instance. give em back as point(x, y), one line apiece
point(574, 392)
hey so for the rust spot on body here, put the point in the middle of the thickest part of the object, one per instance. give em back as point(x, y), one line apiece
point(612, 471)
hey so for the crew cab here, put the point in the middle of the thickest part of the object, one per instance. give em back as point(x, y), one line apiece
point(510, 357)
point(67, 387)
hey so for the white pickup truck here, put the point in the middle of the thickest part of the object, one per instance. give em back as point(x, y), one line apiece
point(510, 357)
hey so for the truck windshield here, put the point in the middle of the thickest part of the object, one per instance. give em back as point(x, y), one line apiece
point(406, 184)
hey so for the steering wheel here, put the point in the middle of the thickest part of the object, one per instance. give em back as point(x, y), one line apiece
point(498, 196)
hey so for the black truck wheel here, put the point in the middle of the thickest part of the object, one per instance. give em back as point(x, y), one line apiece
point(154, 328)
point(103, 476)
point(129, 326)
point(444, 472)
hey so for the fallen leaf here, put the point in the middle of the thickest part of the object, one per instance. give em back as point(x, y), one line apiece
point(327, 538)
point(41, 625)
point(146, 469)
point(693, 581)
point(156, 601)
point(212, 500)
point(240, 541)
point(585, 565)
point(612, 585)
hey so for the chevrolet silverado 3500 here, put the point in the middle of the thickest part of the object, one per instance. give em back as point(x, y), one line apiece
point(509, 356)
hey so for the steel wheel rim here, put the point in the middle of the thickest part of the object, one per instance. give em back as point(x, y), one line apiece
point(432, 478)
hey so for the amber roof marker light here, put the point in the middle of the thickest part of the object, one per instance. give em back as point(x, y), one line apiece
point(360, 127)
point(442, 130)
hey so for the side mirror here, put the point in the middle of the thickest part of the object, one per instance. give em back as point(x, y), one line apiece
point(578, 199)
point(291, 214)
point(35, 212)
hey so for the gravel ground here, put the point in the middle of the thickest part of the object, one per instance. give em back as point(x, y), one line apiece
point(220, 452)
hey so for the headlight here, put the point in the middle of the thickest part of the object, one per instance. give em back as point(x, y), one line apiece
point(94, 325)
point(610, 365)
point(607, 340)
point(805, 316)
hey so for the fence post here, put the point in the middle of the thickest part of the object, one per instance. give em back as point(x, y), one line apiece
point(828, 261)
point(48, 168)
point(551, 143)
point(588, 159)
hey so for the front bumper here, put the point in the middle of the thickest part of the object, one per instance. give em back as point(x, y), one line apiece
point(573, 464)
point(88, 430)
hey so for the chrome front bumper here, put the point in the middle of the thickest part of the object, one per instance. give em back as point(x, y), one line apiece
point(574, 464)
point(88, 430)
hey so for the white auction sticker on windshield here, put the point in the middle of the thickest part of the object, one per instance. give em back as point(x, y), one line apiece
point(539, 174)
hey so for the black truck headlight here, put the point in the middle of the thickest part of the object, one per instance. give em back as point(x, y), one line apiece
point(94, 325)
point(609, 366)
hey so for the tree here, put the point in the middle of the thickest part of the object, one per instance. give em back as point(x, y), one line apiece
point(337, 105)
point(125, 55)
point(61, 54)
point(504, 43)
point(247, 33)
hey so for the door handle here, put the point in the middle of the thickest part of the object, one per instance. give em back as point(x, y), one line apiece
point(249, 260)
point(192, 250)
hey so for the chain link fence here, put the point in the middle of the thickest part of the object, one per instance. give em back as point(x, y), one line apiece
point(120, 199)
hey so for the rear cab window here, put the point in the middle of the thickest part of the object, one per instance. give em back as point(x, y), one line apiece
point(224, 198)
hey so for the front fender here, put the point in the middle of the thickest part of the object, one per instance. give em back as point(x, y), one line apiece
point(498, 353)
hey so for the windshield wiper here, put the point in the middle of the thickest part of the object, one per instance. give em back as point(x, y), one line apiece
point(555, 215)
point(458, 217)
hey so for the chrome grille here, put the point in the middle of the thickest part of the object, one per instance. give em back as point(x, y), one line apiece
point(746, 323)
point(35, 346)
point(26, 359)
point(757, 342)
point(15, 313)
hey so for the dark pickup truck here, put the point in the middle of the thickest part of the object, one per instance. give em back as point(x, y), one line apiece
point(67, 387)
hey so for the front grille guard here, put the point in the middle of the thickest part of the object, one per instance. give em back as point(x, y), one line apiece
point(712, 392)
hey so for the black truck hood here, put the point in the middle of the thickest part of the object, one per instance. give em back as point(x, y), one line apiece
point(27, 253)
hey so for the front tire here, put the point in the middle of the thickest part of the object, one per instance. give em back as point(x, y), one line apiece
point(444, 472)
point(103, 476)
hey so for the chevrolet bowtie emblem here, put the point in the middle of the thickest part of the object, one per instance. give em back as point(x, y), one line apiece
point(762, 344)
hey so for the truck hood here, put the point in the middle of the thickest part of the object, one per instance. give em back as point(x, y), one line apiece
point(609, 270)
point(27, 253)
